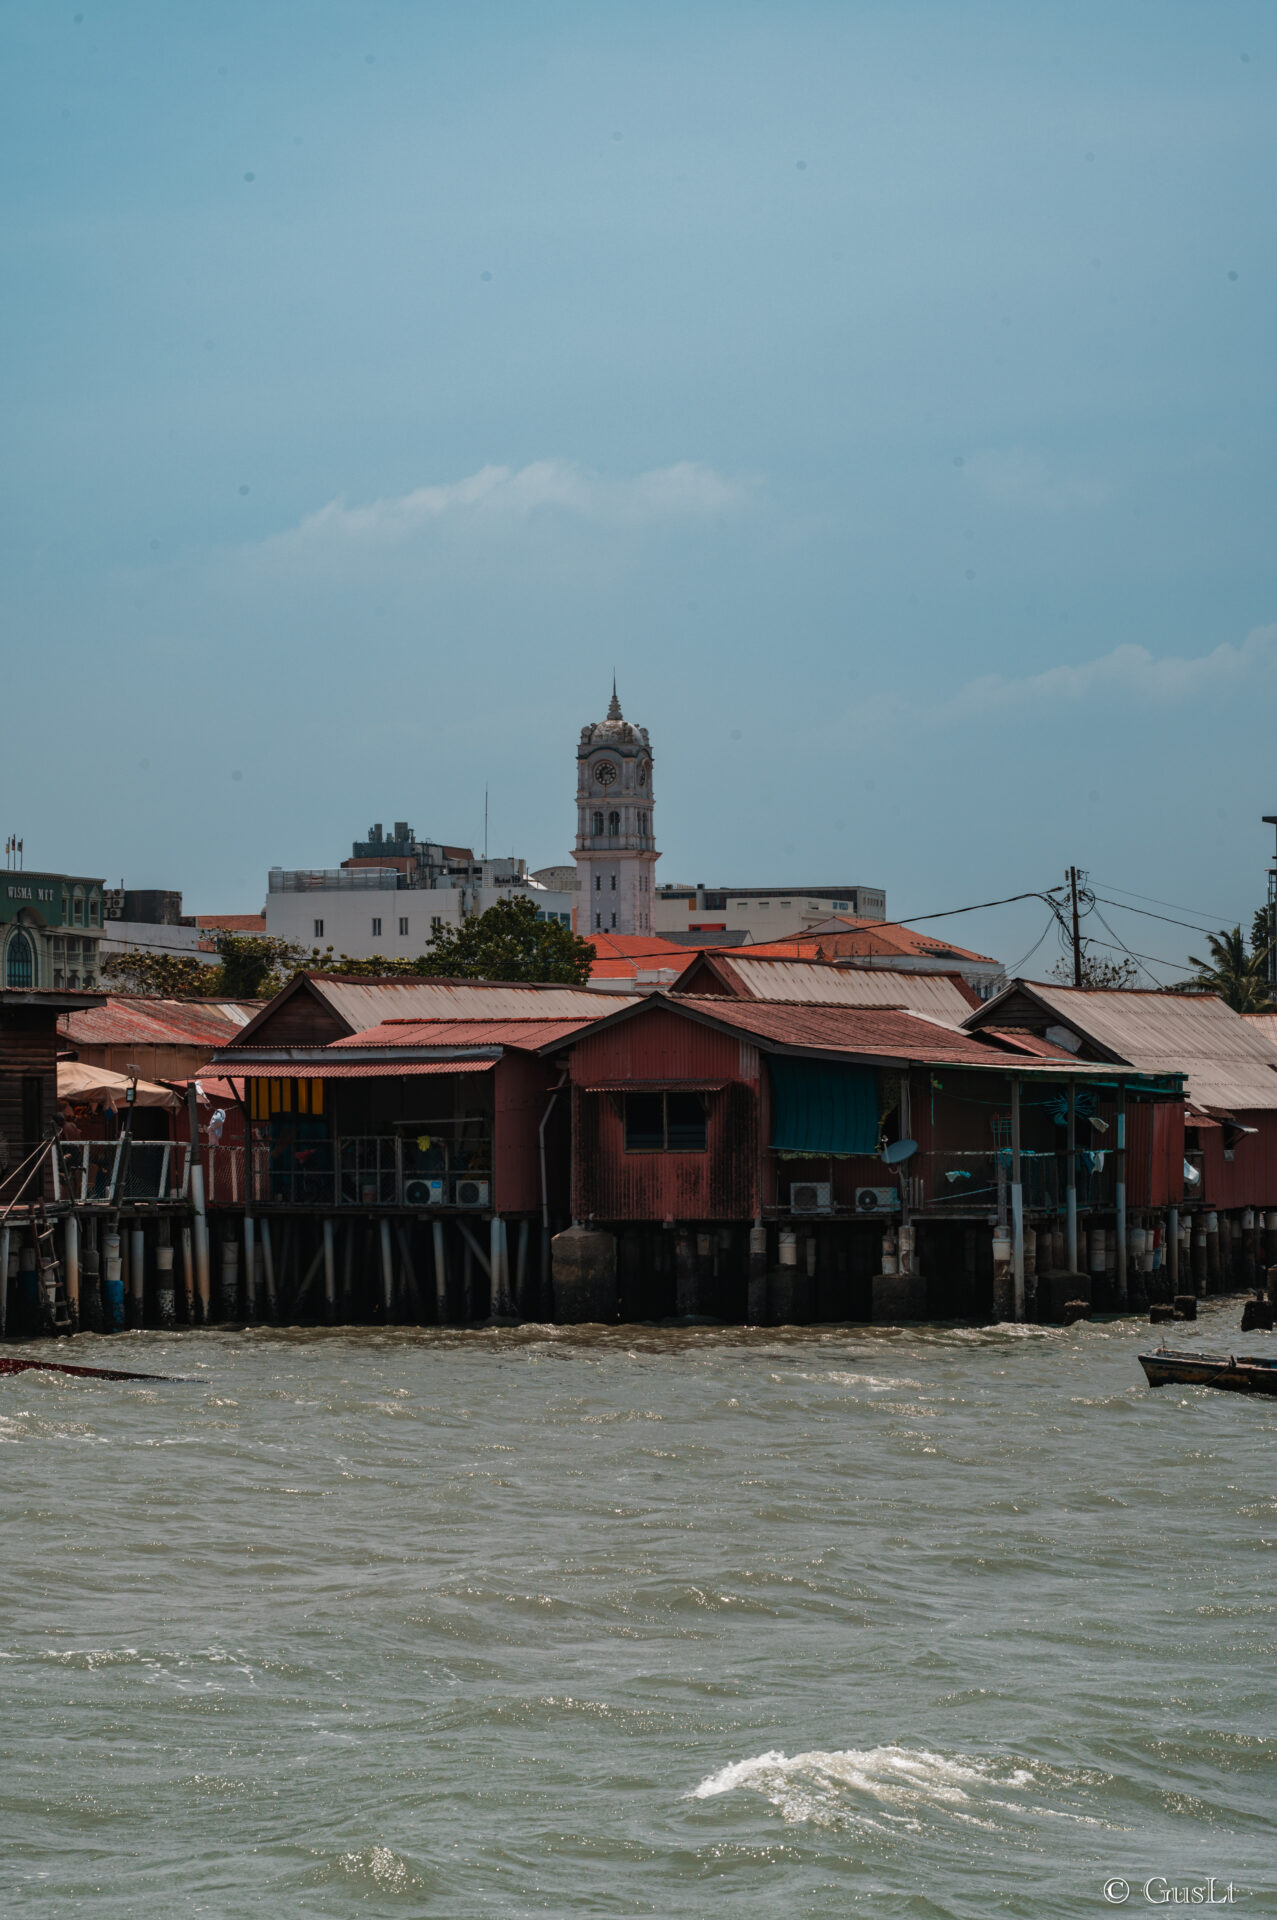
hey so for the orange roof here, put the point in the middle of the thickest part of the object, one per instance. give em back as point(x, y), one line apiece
point(864, 939)
point(623, 956)
point(232, 922)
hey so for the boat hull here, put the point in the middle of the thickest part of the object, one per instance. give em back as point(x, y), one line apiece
point(1231, 1373)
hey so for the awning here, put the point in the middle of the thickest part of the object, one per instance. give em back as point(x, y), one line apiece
point(337, 1069)
point(821, 1107)
point(100, 1087)
point(1201, 1120)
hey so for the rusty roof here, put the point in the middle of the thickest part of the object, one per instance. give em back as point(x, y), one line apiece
point(866, 1033)
point(123, 1018)
point(1229, 1063)
point(526, 1034)
point(361, 1003)
point(744, 972)
point(843, 936)
point(327, 1068)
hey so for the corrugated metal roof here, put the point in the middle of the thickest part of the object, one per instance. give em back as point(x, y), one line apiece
point(869, 1031)
point(137, 1017)
point(366, 1003)
point(1264, 1024)
point(325, 1067)
point(1227, 1062)
point(818, 983)
point(465, 1033)
point(843, 936)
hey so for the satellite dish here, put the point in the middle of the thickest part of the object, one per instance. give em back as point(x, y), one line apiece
point(899, 1150)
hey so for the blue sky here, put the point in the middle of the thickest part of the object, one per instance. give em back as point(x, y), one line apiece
point(884, 390)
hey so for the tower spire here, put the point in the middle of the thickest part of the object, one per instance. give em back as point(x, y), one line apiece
point(614, 710)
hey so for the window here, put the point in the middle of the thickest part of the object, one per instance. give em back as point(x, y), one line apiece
point(319, 929)
point(93, 909)
point(20, 962)
point(613, 923)
point(597, 823)
point(435, 923)
point(598, 920)
point(614, 823)
point(665, 1123)
point(77, 909)
point(376, 929)
point(403, 927)
point(613, 883)
point(598, 883)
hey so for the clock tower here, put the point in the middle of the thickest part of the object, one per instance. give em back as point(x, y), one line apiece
point(615, 851)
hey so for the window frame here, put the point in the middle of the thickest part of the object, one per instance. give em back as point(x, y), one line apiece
point(664, 1095)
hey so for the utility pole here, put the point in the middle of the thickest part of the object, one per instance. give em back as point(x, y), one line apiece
point(1077, 940)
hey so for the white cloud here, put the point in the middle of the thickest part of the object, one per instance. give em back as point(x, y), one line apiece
point(1011, 477)
point(1130, 675)
point(686, 491)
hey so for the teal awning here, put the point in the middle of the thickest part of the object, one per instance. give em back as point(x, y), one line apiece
point(819, 1107)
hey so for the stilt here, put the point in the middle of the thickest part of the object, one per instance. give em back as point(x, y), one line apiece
point(188, 1273)
point(90, 1279)
point(756, 1285)
point(1070, 1191)
point(496, 1304)
point(250, 1266)
point(330, 1273)
point(230, 1276)
point(521, 1270)
point(165, 1297)
point(199, 1211)
point(686, 1291)
point(1017, 1208)
point(408, 1268)
point(71, 1267)
point(387, 1271)
point(1214, 1269)
point(441, 1272)
point(467, 1275)
point(1119, 1159)
point(1172, 1250)
point(6, 1235)
point(112, 1284)
point(348, 1267)
point(268, 1269)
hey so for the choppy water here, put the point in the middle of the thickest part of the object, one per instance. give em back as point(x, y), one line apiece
point(634, 1623)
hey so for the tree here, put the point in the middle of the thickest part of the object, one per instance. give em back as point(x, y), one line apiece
point(1097, 971)
point(167, 976)
point(254, 966)
point(508, 942)
point(1238, 977)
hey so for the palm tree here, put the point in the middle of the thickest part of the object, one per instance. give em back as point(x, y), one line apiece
point(1239, 978)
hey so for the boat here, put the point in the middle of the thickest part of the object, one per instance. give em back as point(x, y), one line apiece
point(1235, 1373)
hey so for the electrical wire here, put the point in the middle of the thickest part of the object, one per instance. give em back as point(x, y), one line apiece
point(1122, 906)
point(912, 919)
point(1155, 902)
point(1011, 972)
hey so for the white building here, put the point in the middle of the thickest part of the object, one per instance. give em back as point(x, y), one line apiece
point(615, 850)
point(764, 913)
point(369, 912)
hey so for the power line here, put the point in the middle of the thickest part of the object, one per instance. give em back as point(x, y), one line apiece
point(1121, 904)
point(1155, 902)
point(1013, 971)
point(912, 919)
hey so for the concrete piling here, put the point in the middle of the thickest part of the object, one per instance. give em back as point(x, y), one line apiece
point(165, 1295)
point(112, 1284)
point(756, 1287)
point(686, 1293)
point(71, 1268)
point(387, 1272)
point(229, 1278)
point(584, 1268)
point(330, 1273)
point(90, 1279)
point(1214, 1265)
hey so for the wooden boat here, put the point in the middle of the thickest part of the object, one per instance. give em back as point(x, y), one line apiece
point(1235, 1373)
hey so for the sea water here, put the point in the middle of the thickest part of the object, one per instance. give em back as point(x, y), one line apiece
point(635, 1621)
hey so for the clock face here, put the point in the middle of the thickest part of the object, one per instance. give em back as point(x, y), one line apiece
point(605, 772)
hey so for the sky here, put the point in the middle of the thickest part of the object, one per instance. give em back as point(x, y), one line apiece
point(883, 390)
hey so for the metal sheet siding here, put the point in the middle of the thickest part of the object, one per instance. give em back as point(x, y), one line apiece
point(1249, 1179)
point(521, 1095)
point(611, 1184)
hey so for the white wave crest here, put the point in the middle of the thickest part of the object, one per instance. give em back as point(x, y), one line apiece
point(861, 1787)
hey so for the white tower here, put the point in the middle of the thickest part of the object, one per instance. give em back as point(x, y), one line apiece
point(615, 851)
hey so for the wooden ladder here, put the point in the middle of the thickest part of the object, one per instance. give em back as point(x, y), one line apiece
point(55, 1310)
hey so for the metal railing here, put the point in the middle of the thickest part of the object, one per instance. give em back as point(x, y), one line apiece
point(364, 1170)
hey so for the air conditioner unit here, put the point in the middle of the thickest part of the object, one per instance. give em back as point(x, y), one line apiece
point(470, 1193)
point(877, 1199)
point(423, 1193)
point(811, 1196)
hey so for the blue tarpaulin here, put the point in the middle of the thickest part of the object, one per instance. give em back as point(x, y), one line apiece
point(819, 1107)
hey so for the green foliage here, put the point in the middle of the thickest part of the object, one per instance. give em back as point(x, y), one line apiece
point(508, 942)
point(254, 966)
point(1239, 977)
point(1262, 930)
point(167, 976)
point(1097, 970)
